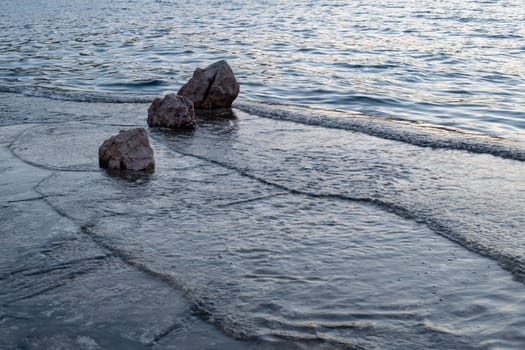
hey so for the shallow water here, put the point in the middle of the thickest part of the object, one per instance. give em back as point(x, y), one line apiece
point(452, 63)
point(276, 233)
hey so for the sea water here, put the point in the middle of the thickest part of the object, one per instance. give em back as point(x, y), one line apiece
point(366, 193)
point(454, 63)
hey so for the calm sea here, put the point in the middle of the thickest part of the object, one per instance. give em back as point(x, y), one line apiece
point(454, 63)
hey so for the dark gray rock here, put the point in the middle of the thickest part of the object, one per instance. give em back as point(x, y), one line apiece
point(212, 87)
point(129, 150)
point(172, 111)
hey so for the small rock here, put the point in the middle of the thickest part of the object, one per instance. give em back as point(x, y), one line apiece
point(212, 87)
point(129, 150)
point(172, 111)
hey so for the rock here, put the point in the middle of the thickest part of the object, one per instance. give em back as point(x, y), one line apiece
point(129, 150)
point(212, 87)
point(172, 111)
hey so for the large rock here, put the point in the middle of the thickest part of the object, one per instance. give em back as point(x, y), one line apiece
point(212, 87)
point(172, 111)
point(129, 150)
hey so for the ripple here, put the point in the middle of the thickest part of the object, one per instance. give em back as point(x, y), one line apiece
point(305, 49)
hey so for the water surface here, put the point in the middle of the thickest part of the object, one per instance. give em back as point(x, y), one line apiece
point(366, 192)
point(346, 241)
point(453, 63)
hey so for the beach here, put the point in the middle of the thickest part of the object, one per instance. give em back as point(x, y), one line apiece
point(246, 237)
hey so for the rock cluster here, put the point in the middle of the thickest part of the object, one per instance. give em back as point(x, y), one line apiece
point(213, 87)
point(129, 150)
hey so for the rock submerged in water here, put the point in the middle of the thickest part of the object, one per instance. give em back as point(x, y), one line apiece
point(172, 111)
point(129, 150)
point(212, 87)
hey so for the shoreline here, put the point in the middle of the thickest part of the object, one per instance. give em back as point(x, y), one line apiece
point(51, 266)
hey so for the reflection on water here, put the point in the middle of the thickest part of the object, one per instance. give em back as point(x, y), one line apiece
point(215, 114)
point(130, 178)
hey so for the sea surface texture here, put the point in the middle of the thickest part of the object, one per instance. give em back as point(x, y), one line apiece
point(455, 63)
point(367, 191)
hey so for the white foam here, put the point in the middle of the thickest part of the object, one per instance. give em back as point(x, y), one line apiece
point(419, 134)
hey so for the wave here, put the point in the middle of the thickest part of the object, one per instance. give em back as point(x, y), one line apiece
point(78, 95)
point(411, 132)
point(415, 133)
